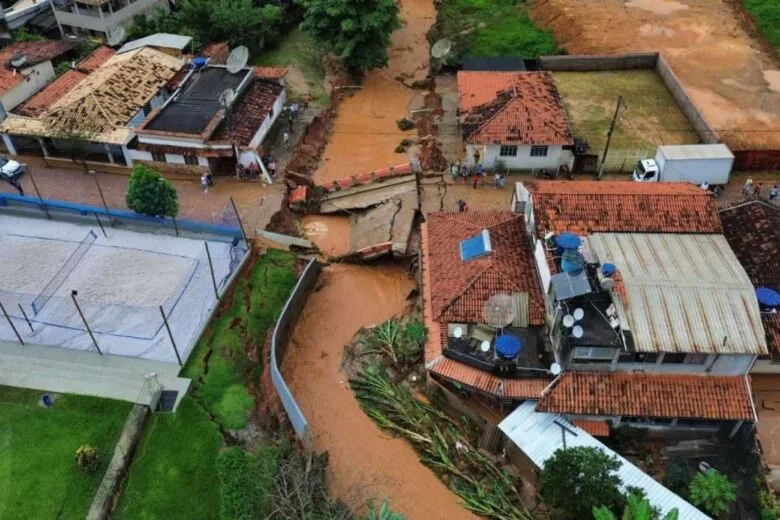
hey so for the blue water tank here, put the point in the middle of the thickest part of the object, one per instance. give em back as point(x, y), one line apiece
point(566, 241)
point(198, 63)
point(572, 261)
point(768, 299)
point(608, 269)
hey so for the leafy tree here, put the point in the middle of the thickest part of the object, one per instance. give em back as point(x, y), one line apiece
point(148, 193)
point(576, 480)
point(713, 491)
point(677, 477)
point(357, 30)
point(71, 141)
point(23, 35)
point(637, 508)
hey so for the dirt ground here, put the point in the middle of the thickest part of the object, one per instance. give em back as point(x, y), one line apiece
point(364, 461)
point(731, 78)
point(766, 390)
point(649, 115)
point(365, 133)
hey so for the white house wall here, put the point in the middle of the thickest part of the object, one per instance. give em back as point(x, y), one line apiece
point(522, 161)
point(36, 77)
point(257, 139)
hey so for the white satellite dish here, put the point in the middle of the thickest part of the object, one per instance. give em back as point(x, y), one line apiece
point(226, 97)
point(577, 331)
point(115, 36)
point(568, 321)
point(458, 332)
point(441, 48)
point(484, 346)
point(237, 59)
point(555, 369)
point(578, 314)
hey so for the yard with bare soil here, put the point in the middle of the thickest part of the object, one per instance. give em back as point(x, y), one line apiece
point(731, 77)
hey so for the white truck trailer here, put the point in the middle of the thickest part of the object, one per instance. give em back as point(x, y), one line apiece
point(693, 163)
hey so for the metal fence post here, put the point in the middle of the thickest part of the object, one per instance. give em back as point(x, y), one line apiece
point(11, 323)
point(240, 224)
point(170, 335)
point(25, 317)
point(100, 191)
point(37, 192)
point(76, 303)
point(100, 224)
point(211, 269)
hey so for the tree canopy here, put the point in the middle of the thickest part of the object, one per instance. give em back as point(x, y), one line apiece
point(148, 193)
point(358, 31)
point(577, 480)
point(713, 491)
point(238, 22)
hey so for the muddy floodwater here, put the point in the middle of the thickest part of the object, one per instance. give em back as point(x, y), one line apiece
point(364, 461)
point(365, 132)
point(331, 234)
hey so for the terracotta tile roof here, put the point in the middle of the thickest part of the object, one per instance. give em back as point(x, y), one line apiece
point(217, 52)
point(270, 72)
point(595, 428)
point(511, 108)
point(460, 289)
point(753, 232)
point(585, 207)
point(436, 363)
point(97, 58)
point(37, 104)
point(250, 111)
point(35, 52)
point(650, 395)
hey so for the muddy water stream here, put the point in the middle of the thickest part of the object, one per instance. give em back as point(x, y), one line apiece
point(331, 234)
point(365, 132)
point(364, 461)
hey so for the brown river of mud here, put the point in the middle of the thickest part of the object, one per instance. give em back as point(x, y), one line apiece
point(365, 462)
point(365, 133)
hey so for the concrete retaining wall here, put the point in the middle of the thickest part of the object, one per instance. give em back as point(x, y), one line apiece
point(279, 340)
point(700, 125)
point(645, 60)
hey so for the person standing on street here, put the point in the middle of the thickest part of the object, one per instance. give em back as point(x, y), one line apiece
point(773, 193)
point(13, 181)
point(757, 191)
point(290, 121)
point(286, 139)
point(204, 183)
point(306, 101)
point(747, 186)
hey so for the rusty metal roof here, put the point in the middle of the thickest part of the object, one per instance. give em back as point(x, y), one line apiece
point(683, 293)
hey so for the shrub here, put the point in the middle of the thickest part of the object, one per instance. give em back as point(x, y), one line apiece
point(677, 477)
point(148, 193)
point(87, 458)
point(713, 491)
point(770, 505)
point(383, 512)
point(405, 124)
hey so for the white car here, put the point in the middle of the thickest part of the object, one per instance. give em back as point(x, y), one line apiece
point(10, 169)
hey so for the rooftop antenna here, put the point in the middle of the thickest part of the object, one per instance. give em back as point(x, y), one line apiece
point(115, 36)
point(500, 310)
point(237, 59)
point(441, 48)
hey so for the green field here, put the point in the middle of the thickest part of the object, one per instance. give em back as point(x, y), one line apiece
point(175, 471)
point(649, 116)
point(766, 13)
point(491, 28)
point(38, 476)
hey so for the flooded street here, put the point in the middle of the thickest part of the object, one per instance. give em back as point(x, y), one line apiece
point(365, 132)
point(331, 234)
point(364, 461)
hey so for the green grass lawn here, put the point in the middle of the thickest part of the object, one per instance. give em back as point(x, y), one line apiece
point(491, 28)
point(174, 473)
point(766, 13)
point(649, 117)
point(303, 57)
point(38, 476)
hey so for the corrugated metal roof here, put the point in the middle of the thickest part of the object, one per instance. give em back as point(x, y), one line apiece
point(166, 40)
point(539, 435)
point(696, 151)
point(685, 293)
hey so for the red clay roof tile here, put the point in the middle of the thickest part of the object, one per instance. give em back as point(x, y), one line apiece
point(650, 395)
point(250, 111)
point(753, 232)
point(270, 72)
point(460, 289)
point(585, 207)
point(35, 52)
point(97, 58)
point(52, 92)
point(511, 108)
point(595, 428)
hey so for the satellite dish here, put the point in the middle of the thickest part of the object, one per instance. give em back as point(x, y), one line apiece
point(555, 369)
point(115, 36)
point(458, 332)
point(226, 97)
point(484, 346)
point(237, 59)
point(441, 48)
point(500, 310)
point(568, 321)
point(577, 331)
point(578, 314)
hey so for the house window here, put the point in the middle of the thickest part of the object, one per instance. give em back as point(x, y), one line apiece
point(159, 157)
point(592, 354)
point(191, 160)
point(508, 151)
point(538, 151)
point(670, 359)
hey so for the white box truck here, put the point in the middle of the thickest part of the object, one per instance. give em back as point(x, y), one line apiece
point(693, 163)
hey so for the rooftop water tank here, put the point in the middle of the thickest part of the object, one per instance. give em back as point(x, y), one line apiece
point(608, 269)
point(572, 261)
point(768, 299)
point(198, 63)
point(567, 241)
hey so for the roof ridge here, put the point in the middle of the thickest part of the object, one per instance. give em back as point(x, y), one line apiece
point(492, 117)
point(457, 297)
point(452, 216)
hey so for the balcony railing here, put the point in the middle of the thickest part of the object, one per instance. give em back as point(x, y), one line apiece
point(81, 16)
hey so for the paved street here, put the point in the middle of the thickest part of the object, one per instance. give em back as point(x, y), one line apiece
point(256, 203)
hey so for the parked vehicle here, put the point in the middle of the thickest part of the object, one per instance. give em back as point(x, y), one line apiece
point(10, 169)
point(696, 163)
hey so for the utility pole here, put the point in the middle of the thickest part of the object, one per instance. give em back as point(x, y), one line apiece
point(609, 135)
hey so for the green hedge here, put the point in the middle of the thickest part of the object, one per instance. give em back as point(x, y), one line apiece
point(766, 13)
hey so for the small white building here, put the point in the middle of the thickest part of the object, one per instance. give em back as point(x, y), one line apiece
point(516, 118)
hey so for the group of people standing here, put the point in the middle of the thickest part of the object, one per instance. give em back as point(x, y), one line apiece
point(754, 189)
point(477, 173)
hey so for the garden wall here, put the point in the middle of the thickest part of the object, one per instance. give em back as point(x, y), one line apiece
point(281, 335)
